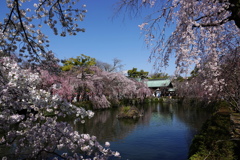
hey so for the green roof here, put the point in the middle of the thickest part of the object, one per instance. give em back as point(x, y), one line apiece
point(158, 83)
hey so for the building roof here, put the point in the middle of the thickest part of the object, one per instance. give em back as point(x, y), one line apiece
point(158, 83)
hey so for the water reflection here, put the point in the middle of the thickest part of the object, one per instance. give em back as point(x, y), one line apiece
point(164, 132)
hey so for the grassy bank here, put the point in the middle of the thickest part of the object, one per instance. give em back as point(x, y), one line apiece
point(215, 141)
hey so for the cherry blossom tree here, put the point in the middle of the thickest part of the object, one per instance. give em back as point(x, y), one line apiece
point(57, 84)
point(200, 29)
point(122, 87)
point(191, 88)
point(102, 88)
point(30, 112)
point(25, 125)
point(21, 32)
point(230, 72)
point(79, 69)
point(224, 84)
point(98, 86)
point(92, 88)
point(197, 32)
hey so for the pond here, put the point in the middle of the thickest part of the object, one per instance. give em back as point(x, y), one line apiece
point(164, 132)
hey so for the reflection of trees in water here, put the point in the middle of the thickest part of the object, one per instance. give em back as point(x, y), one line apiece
point(105, 126)
point(191, 116)
point(156, 112)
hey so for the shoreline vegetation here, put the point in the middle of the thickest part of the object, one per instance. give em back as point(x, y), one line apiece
point(219, 136)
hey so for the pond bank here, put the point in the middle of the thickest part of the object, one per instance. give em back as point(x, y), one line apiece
point(218, 138)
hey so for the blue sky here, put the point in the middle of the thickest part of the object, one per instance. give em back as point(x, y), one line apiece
point(106, 38)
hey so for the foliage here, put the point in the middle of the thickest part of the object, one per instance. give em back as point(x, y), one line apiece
point(194, 73)
point(128, 112)
point(79, 61)
point(179, 78)
point(159, 76)
point(126, 109)
point(214, 140)
point(137, 74)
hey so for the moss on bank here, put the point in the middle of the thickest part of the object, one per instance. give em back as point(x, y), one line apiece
point(214, 142)
point(129, 112)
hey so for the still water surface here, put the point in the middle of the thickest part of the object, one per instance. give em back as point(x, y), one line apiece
point(163, 133)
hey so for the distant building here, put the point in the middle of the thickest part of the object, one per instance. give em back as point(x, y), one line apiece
point(163, 87)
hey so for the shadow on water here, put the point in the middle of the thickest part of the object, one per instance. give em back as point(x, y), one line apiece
point(164, 132)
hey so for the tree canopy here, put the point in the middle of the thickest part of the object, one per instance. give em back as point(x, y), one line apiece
point(199, 33)
point(79, 61)
point(195, 31)
point(159, 75)
point(133, 73)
